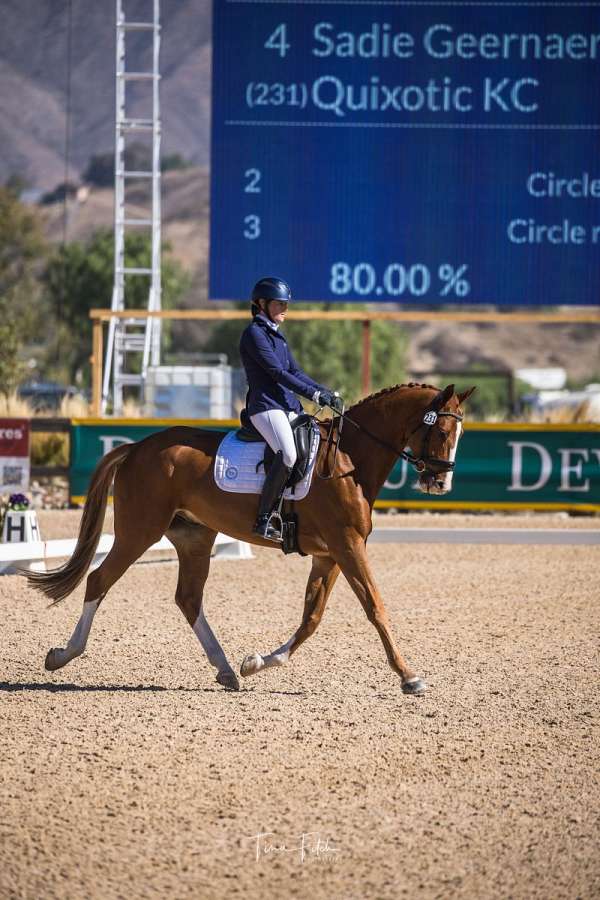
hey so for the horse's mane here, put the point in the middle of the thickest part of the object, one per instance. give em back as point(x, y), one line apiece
point(389, 390)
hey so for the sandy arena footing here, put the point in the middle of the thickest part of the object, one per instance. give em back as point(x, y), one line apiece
point(131, 773)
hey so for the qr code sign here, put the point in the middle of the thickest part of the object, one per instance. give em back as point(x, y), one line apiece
point(12, 475)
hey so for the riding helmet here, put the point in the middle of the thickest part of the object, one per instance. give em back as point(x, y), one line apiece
point(271, 288)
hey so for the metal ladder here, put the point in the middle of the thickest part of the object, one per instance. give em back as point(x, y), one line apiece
point(129, 336)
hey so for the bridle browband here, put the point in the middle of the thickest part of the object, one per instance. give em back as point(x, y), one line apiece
point(432, 465)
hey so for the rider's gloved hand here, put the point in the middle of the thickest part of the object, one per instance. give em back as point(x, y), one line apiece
point(337, 403)
point(330, 399)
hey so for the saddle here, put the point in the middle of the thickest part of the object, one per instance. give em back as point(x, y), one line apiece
point(302, 428)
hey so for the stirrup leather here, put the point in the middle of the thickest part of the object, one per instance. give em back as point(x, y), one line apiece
point(269, 505)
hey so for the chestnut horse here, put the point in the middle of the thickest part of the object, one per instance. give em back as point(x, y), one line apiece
point(164, 484)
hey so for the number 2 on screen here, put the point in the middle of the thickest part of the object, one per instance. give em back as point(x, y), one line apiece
point(252, 185)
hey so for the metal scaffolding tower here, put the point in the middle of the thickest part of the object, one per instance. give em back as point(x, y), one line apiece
point(128, 338)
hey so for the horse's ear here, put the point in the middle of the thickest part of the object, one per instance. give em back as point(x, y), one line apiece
point(465, 395)
point(445, 396)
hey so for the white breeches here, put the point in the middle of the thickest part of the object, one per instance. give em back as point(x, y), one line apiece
point(274, 425)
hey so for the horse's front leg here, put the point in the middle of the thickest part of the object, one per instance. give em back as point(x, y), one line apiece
point(350, 553)
point(320, 584)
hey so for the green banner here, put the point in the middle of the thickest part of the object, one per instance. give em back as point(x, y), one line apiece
point(92, 438)
point(519, 466)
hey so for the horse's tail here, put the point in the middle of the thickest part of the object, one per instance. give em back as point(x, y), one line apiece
point(59, 583)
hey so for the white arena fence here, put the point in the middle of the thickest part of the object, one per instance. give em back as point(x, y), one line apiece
point(35, 554)
point(485, 536)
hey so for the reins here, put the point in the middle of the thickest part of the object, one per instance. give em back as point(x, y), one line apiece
point(421, 463)
point(328, 444)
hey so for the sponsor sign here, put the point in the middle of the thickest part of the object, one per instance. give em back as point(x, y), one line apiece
point(498, 466)
point(14, 455)
point(512, 467)
point(91, 439)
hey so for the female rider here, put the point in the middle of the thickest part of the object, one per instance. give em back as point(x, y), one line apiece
point(274, 378)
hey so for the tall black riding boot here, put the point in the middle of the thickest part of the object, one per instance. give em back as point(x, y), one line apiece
point(273, 488)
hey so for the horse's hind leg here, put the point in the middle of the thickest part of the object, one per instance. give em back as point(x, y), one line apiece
point(194, 543)
point(321, 580)
point(123, 553)
point(57, 657)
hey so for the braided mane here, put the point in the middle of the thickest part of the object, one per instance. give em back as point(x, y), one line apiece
point(389, 390)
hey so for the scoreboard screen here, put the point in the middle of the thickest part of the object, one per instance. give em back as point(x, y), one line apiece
point(411, 152)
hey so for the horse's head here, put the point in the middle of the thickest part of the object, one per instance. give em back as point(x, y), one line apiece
point(434, 440)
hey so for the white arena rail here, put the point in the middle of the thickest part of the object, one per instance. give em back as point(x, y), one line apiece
point(34, 554)
point(485, 536)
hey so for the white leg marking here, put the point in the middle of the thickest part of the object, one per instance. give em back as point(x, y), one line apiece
point(210, 644)
point(279, 657)
point(251, 664)
point(58, 657)
point(254, 662)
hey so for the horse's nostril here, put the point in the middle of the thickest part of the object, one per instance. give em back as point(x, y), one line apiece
point(440, 484)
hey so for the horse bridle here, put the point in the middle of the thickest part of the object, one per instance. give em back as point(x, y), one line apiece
point(430, 464)
point(423, 463)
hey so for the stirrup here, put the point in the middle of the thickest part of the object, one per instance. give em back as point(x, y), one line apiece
point(269, 527)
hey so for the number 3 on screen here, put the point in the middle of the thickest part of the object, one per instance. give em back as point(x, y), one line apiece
point(252, 229)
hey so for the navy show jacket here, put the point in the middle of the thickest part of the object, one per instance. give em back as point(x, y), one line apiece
point(274, 376)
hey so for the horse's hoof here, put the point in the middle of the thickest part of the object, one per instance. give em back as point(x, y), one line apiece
point(229, 680)
point(415, 687)
point(252, 664)
point(52, 662)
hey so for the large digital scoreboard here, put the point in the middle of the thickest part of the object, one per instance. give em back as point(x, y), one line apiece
point(412, 152)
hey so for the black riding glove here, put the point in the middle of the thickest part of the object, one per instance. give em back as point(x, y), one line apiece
point(330, 399)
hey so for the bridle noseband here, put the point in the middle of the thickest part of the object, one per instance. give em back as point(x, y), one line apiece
point(424, 464)
point(430, 464)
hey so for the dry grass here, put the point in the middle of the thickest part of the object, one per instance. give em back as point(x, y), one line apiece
point(73, 408)
point(131, 410)
point(13, 407)
point(584, 413)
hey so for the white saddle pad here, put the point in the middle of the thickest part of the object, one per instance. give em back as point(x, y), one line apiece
point(236, 462)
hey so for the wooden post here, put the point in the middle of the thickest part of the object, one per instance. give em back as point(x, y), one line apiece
point(513, 401)
point(366, 357)
point(97, 368)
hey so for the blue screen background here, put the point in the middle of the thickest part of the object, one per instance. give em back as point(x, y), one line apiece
point(411, 206)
